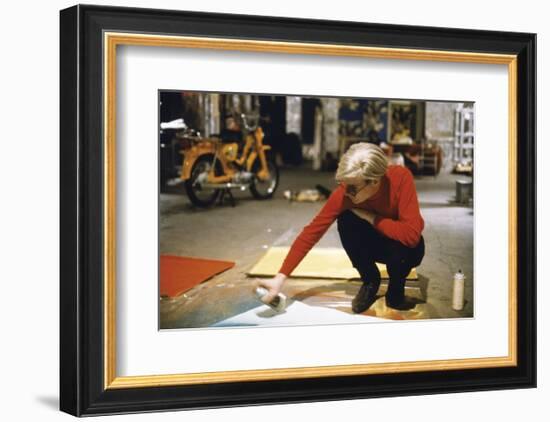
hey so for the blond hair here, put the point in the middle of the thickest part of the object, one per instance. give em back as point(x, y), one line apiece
point(362, 160)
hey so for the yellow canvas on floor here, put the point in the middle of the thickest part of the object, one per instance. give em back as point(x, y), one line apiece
point(318, 263)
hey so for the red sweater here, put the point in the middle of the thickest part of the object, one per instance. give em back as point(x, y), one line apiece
point(395, 205)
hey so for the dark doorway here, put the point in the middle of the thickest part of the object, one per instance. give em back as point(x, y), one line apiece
point(273, 120)
point(308, 119)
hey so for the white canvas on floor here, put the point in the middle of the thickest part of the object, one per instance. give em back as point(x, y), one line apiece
point(297, 313)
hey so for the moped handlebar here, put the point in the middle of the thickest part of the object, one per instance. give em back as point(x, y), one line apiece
point(254, 120)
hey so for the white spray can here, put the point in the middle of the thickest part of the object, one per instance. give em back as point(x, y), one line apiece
point(458, 291)
point(277, 304)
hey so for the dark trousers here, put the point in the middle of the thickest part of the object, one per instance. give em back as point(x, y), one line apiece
point(365, 246)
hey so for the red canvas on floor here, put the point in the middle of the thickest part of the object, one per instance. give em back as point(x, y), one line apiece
point(180, 273)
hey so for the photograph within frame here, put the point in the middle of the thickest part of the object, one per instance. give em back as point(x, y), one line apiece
point(304, 137)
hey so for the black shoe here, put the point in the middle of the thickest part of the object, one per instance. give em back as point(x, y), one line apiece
point(365, 297)
point(404, 304)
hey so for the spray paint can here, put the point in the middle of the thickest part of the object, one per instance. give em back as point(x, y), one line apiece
point(277, 304)
point(458, 291)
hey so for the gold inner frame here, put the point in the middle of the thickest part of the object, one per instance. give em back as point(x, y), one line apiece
point(113, 39)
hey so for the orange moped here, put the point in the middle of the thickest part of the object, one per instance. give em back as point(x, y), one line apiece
point(214, 165)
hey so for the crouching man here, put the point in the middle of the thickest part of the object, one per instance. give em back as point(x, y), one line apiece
point(378, 218)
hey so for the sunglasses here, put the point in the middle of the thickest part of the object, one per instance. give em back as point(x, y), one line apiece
point(353, 190)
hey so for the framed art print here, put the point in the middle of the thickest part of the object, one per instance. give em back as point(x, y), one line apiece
point(262, 210)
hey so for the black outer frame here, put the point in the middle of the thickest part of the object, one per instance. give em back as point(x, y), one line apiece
point(81, 210)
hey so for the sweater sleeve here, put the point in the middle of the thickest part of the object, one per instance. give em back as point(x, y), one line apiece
point(408, 226)
point(311, 233)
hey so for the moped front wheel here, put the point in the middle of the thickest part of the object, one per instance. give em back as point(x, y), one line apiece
point(264, 189)
point(198, 195)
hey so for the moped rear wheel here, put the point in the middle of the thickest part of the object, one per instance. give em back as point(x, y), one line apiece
point(264, 189)
point(199, 196)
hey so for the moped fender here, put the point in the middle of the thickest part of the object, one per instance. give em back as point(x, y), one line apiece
point(191, 155)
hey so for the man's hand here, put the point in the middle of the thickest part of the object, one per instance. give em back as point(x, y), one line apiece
point(273, 286)
point(364, 214)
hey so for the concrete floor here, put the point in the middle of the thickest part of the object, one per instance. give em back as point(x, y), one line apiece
point(243, 233)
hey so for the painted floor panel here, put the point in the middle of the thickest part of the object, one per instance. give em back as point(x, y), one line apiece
point(318, 263)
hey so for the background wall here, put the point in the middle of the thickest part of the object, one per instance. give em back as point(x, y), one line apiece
point(29, 213)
